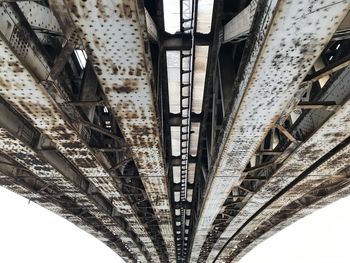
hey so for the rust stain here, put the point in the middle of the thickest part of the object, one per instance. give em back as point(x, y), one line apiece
point(4, 83)
point(125, 10)
point(16, 67)
point(73, 8)
point(101, 8)
point(127, 87)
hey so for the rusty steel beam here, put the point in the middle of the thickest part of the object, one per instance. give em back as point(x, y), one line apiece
point(264, 93)
point(122, 64)
point(343, 30)
point(326, 174)
point(30, 97)
point(238, 27)
point(336, 160)
point(17, 140)
point(323, 141)
point(40, 17)
point(26, 157)
point(46, 193)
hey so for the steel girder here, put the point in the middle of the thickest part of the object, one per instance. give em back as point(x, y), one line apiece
point(319, 184)
point(288, 38)
point(238, 28)
point(35, 167)
point(115, 38)
point(336, 91)
point(14, 182)
point(332, 133)
point(30, 97)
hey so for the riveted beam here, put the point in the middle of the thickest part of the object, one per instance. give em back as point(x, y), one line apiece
point(126, 78)
point(48, 194)
point(322, 148)
point(297, 197)
point(51, 121)
point(238, 28)
point(256, 109)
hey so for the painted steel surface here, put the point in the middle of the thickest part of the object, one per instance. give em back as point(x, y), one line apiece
point(25, 156)
point(289, 39)
point(115, 39)
point(31, 99)
point(327, 136)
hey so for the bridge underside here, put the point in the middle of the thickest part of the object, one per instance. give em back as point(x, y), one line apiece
point(176, 130)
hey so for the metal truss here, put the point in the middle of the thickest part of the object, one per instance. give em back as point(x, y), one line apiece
point(260, 137)
point(249, 122)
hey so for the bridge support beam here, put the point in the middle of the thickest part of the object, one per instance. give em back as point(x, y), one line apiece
point(122, 63)
point(28, 90)
point(264, 94)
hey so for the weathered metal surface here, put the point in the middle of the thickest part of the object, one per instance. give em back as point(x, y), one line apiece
point(327, 173)
point(29, 160)
point(40, 17)
point(115, 38)
point(289, 38)
point(15, 179)
point(239, 27)
point(331, 133)
point(11, 184)
point(33, 102)
point(151, 27)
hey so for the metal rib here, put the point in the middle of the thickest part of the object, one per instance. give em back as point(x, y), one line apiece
point(115, 38)
point(277, 65)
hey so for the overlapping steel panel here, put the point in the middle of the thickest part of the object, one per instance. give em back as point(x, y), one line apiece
point(115, 38)
point(288, 39)
point(31, 99)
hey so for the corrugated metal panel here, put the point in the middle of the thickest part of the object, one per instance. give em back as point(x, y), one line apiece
point(277, 65)
point(115, 39)
point(33, 102)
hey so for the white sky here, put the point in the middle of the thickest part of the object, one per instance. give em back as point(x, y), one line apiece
point(322, 237)
point(29, 233)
